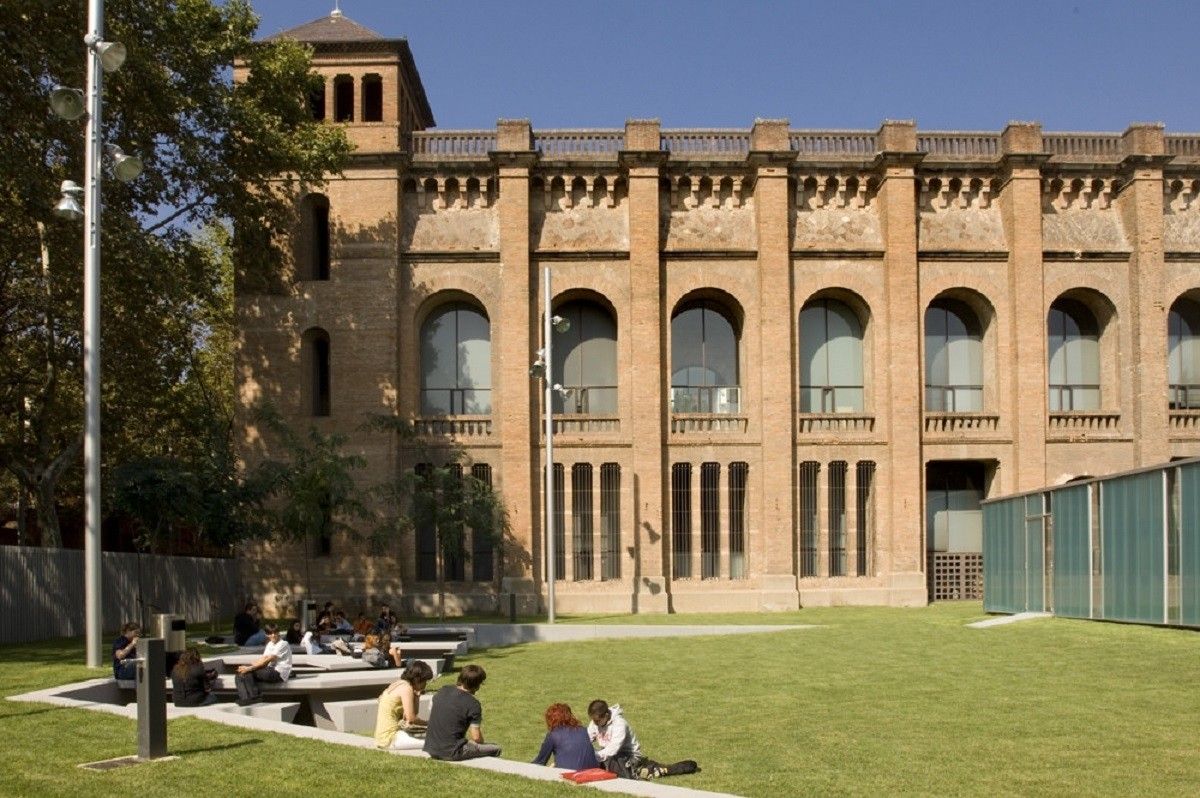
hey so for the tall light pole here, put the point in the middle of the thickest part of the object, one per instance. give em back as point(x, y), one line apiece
point(543, 368)
point(68, 103)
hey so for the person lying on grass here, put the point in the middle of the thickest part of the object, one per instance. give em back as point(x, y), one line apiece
point(567, 741)
point(618, 748)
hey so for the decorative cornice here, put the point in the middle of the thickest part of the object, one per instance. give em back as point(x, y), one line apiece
point(979, 256)
point(702, 254)
point(837, 254)
point(1063, 256)
point(583, 254)
point(634, 158)
point(450, 257)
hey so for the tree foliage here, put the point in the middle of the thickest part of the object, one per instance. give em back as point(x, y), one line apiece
point(219, 156)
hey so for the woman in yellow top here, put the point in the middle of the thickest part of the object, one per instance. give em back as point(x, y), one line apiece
point(397, 724)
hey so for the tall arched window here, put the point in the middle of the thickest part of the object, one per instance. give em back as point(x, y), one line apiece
point(372, 98)
point(585, 359)
point(456, 361)
point(315, 359)
point(704, 361)
point(1074, 348)
point(1183, 354)
point(953, 358)
point(831, 358)
point(312, 251)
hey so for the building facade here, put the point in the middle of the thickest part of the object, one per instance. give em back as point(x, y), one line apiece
point(797, 360)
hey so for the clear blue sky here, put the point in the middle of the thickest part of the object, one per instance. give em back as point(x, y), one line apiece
point(951, 65)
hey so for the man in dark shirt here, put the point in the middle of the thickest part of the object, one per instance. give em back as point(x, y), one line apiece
point(246, 628)
point(457, 712)
point(124, 651)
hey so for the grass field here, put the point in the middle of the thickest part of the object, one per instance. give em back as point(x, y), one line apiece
point(874, 702)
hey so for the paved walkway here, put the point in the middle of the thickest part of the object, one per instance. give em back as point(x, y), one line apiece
point(1001, 620)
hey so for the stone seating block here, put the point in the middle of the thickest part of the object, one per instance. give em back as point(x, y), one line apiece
point(280, 712)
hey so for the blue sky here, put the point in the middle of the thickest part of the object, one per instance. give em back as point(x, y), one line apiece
point(951, 65)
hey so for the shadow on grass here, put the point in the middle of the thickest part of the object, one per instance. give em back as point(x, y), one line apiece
point(208, 749)
point(7, 715)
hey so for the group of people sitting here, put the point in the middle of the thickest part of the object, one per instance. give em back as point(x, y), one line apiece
point(454, 730)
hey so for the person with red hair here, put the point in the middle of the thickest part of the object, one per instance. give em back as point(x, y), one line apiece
point(567, 740)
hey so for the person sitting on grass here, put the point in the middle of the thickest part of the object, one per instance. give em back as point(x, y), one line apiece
point(124, 653)
point(274, 666)
point(457, 712)
point(191, 682)
point(620, 752)
point(397, 723)
point(378, 652)
point(567, 741)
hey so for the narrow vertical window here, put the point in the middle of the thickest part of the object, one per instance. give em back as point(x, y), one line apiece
point(483, 545)
point(312, 243)
point(681, 520)
point(320, 228)
point(581, 520)
point(560, 526)
point(837, 518)
point(953, 358)
point(808, 517)
point(372, 98)
point(426, 534)
point(315, 345)
point(343, 98)
point(864, 539)
point(610, 521)
point(316, 101)
point(453, 559)
point(710, 520)
point(737, 519)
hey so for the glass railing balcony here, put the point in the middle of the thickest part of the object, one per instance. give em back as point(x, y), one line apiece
point(1065, 398)
point(456, 401)
point(1183, 397)
point(587, 400)
point(706, 399)
point(831, 398)
point(953, 398)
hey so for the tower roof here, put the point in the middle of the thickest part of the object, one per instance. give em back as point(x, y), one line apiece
point(336, 27)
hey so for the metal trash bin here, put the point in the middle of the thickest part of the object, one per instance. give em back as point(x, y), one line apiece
point(173, 631)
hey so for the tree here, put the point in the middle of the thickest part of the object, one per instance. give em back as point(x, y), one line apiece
point(442, 496)
point(215, 152)
point(314, 495)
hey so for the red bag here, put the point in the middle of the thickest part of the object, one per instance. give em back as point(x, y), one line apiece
point(591, 774)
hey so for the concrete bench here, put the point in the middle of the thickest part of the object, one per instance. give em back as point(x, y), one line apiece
point(308, 663)
point(358, 716)
point(279, 711)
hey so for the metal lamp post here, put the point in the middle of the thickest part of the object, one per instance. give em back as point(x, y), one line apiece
point(69, 104)
point(543, 368)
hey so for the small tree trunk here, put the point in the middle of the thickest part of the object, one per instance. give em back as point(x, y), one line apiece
point(441, 579)
point(47, 514)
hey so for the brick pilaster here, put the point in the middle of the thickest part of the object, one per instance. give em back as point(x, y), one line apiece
point(642, 160)
point(770, 155)
point(1026, 406)
point(1141, 206)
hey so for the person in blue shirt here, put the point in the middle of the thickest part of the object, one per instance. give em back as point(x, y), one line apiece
point(124, 653)
point(567, 741)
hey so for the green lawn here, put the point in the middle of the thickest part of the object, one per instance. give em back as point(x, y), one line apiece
point(874, 702)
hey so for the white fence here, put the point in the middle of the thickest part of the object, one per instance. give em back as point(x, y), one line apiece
point(41, 590)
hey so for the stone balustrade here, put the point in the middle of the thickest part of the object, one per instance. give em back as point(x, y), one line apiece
point(840, 423)
point(692, 423)
point(1084, 422)
point(960, 423)
point(453, 426)
point(960, 144)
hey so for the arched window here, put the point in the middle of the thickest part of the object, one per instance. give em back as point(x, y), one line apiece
point(1074, 348)
point(315, 359)
point(585, 359)
point(704, 361)
point(1183, 354)
point(372, 98)
point(953, 358)
point(312, 251)
point(456, 361)
point(831, 358)
point(316, 101)
point(343, 98)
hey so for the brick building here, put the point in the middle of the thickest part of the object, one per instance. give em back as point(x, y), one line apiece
point(798, 359)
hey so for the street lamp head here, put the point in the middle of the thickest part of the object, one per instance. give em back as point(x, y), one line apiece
point(563, 392)
point(66, 102)
point(68, 205)
point(112, 55)
point(560, 324)
point(538, 369)
point(125, 167)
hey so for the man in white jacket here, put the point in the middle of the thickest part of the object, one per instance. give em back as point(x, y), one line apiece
point(618, 749)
